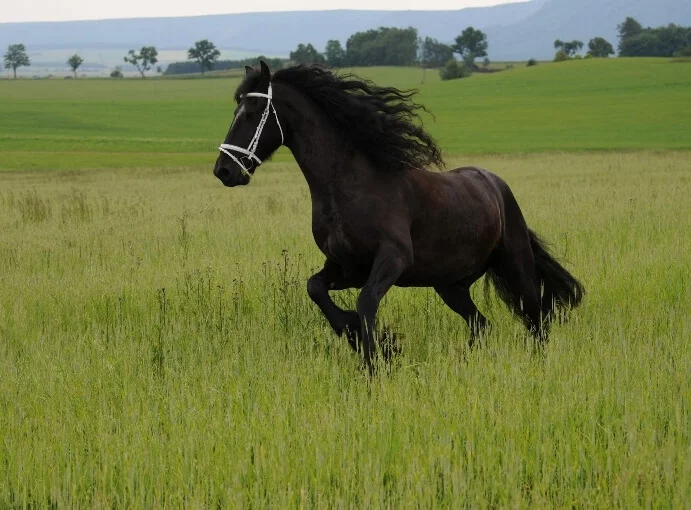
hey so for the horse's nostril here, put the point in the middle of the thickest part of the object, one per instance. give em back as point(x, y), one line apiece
point(220, 171)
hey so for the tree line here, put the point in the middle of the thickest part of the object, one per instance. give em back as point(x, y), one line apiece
point(665, 41)
point(394, 47)
point(383, 46)
point(399, 47)
point(634, 41)
point(193, 66)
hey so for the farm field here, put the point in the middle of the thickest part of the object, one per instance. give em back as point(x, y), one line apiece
point(624, 104)
point(158, 347)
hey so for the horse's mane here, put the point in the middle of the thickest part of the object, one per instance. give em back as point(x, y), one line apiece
point(379, 121)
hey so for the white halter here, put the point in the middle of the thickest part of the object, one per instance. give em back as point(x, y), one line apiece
point(249, 151)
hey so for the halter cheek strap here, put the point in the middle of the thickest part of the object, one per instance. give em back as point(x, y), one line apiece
point(249, 152)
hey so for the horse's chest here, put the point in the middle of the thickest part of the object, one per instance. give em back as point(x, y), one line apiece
point(333, 240)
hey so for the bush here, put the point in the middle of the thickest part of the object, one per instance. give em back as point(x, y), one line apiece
point(454, 70)
point(561, 56)
point(531, 62)
point(588, 55)
point(117, 73)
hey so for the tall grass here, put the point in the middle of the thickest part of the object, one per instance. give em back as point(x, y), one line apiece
point(158, 349)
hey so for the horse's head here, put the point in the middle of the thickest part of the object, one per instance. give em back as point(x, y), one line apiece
point(255, 132)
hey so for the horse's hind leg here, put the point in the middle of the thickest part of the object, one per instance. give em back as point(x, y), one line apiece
point(341, 321)
point(457, 297)
point(513, 273)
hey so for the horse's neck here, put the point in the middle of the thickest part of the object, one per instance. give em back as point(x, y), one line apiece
point(319, 149)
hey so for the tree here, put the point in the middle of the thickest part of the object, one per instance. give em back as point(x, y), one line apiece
point(628, 29)
point(433, 53)
point(15, 57)
point(471, 44)
point(386, 46)
point(573, 47)
point(306, 55)
point(599, 47)
point(74, 62)
point(568, 48)
point(204, 53)
point(143, 60)
point(335, 54)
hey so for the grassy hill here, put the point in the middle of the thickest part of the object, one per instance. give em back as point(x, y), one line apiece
point(578, 105)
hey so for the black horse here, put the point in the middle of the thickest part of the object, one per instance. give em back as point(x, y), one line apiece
point(380, 218)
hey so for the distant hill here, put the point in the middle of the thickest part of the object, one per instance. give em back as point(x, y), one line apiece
point(534, 35)
point(516, 31)
point(272, 32)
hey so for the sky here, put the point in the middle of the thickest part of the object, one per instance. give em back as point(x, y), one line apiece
point(64, 10)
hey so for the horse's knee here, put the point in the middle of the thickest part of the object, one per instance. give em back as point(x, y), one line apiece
point(315, 287)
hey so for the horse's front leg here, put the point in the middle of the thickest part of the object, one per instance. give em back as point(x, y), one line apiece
point(341, 321)
point(389, 263)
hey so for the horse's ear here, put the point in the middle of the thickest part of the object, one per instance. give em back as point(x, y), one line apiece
point(265, 70)
point(248, 70)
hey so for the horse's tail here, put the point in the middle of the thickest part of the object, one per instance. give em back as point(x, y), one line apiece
point(560, 289)
point(525, 275)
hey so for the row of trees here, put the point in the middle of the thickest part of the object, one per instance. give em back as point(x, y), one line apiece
point(634, 41)
point(17, 56)
point(401, 47)
point(191, 66)
point(394, 46)
point(665, 41)
point(203, 53)
point(598, 47)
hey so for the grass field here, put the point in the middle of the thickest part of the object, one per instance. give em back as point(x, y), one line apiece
point(158, 348)
point(627, 104)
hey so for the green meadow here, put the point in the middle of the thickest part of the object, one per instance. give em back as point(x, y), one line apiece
point(622, 104)
point(158, 348)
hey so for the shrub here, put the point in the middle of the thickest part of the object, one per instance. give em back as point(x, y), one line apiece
point(454, 70)
point(117, 73)
point(561, 56)
point(531, 62)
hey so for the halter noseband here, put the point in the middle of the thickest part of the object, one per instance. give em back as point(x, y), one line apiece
point(252, 147)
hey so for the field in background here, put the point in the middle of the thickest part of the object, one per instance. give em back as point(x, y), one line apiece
point(629, 104)
point(158, 347)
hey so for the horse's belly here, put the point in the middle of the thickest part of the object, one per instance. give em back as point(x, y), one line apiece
point(451, 257)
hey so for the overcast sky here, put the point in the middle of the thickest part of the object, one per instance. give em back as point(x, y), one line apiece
point(62, 10)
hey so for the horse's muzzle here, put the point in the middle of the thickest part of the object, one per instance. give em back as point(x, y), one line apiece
point(230, 176)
